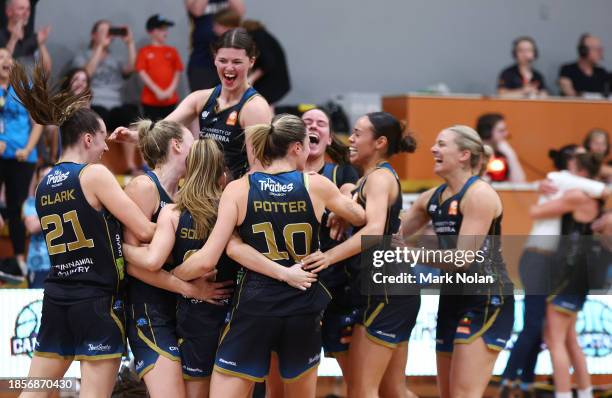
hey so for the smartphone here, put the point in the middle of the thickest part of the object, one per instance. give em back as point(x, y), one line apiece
point(118, 31)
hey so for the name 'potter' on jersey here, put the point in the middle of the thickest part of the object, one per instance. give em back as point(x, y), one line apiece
point(224, 127)
point(280, 222)
point(84, 244)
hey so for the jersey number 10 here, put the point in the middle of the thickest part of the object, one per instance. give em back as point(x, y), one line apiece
point(289, 232)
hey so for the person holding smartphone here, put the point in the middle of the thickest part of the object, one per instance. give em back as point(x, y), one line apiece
point(107, 72)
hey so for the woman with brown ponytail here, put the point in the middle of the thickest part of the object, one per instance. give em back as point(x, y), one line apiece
point(79, 203)
point(384, 323)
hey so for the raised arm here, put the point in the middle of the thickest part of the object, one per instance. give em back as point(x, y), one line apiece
point(101, 188)
point(196, 8)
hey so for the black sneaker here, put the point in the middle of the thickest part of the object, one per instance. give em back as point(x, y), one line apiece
point(10, 272)
point(127, 385)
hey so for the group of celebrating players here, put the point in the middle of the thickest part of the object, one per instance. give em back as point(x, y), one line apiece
point(248, 267)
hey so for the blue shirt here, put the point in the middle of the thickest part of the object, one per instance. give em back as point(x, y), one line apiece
point(17, 125)
point(38, 256)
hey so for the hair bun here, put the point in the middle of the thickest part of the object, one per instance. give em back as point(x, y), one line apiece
point(407, 144)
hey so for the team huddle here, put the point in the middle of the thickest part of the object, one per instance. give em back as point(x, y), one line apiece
point(236, 258)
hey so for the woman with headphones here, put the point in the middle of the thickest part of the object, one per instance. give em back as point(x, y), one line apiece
point(521, 80)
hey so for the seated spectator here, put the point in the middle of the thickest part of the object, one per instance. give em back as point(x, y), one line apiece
point(201, 69)
point(38, 262)
point(19, 38)
point(270, 74)
point(504, 165)
point(18, 155)
point(159, 67)
point(585, 77)
point(107, 73)
point(521, 80)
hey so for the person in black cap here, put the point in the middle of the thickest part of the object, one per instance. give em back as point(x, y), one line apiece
point(159, 67)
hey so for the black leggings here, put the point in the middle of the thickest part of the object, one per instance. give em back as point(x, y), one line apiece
point(16, 177)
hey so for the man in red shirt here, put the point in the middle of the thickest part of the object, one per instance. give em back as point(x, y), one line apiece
point(159, 67)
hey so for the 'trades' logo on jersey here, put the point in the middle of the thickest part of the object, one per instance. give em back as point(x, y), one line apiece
point(274, 187)
point(57, 177)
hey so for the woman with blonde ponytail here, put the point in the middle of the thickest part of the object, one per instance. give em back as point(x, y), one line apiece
point(277, 212)
point(81, 208)
point(152, 293)
point(474, 320)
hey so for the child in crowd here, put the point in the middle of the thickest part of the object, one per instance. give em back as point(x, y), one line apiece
point(159, 66)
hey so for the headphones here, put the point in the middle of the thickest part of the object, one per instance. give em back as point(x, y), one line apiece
point(583, 49)
point(516, 42)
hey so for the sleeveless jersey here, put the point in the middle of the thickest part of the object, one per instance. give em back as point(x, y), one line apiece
point(139, 291)
point(224, 127)
point(447, 218)
point(280, 222)
point(335, 275)
point(84, 244)
point(392, 222)
point(360, 281)
point(186, 243)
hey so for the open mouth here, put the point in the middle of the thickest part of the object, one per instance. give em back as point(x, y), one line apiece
point(352, 151)
point(314, 139)
point(230, 77)
point(6, 68)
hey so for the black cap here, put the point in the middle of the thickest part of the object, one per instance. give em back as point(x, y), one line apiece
point(155, 21)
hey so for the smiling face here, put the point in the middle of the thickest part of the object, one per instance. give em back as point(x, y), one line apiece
point(598, 144)
point(96, 143)
point(319, 134)
point(6, 63)
point(78, 83)
point(447, 154)
point(363, 142)
point(18, 10)
point(233, 67)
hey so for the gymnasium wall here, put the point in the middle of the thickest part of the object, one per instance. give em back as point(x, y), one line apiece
point(386, 46)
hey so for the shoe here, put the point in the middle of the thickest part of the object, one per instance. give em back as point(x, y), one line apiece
point(10, 271)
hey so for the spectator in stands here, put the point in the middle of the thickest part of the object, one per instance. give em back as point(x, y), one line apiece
point(107, 73)
point(18, 155)
point(270, 74)
point(201, 69)
point(521, 80)
point(38, 262)
point(504, 165)
point(18, 36)
point(29, 28)
point(585, 77)
point(159, 67)
point(77, 81)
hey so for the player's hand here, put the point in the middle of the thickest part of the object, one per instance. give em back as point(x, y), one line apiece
point(397, 240)
point(2, 147)
point(547, 187)
point(316, 262)
point(337, 226)
point(603, 227)
point(211, 292)
point(296, 277)
point(125, 135)
point(43, 35)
